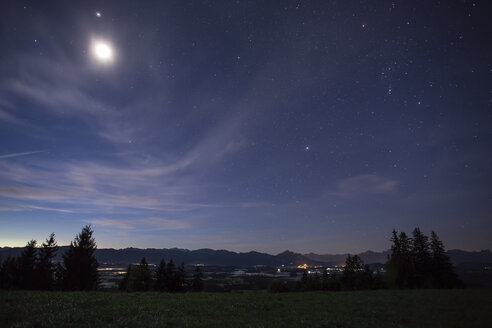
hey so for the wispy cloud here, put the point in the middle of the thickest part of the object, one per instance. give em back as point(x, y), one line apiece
point(103, 187)
point(165, 224)
point(9, 118)
point(366, 184)
point(21, 154)
point(121, 224)
point(155, 223)
point(50, 209)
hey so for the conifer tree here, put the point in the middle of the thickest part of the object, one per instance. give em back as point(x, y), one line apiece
point(161, 277)
point(142, 277)
point(124, 284)
point(9, 273)
point(305, 283)
point(421, 258)
point(443, 275)
point(27, 267)
point(352, 273)
point(171, 277)
point(46, 268)
point(197, 285)
point(79, 262)
point(180, 278)
point(325, 280)
point(400, 268)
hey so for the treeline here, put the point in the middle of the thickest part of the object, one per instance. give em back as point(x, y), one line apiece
point(35, 268)
point(415, 262)
point(167, 278)
point(355, 276)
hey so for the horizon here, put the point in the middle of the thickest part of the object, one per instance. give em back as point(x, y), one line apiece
point(258, 251)
point(231, 125)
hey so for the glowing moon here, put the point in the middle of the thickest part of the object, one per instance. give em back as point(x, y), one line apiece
point(102, 51)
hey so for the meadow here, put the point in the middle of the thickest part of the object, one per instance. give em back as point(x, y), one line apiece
point(378, 308)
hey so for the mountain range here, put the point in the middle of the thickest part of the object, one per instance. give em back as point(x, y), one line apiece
point(228, 258)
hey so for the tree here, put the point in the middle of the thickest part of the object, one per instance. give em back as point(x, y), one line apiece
point(443, 275)
point(142, 277)
point(197, 285)
point(171, 277)
point(400, 268)
point(420, 252)
point(305, 283)
point(124, 283)
point(325, 280)
point(161, 277)
point(27, 267)
point(46, 268)
point(9, 273)
point(138, 278)
point(180, 278)
point(79, 262)
point(355, 274)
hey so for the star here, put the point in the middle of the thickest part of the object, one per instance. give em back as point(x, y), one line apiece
point(98, 14)
point(307, 148)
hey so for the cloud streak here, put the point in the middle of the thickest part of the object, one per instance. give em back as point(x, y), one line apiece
point(142, 223)
point(21, 154)
point(366, 184)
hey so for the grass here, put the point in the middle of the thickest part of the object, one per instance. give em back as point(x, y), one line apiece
point(382, 308)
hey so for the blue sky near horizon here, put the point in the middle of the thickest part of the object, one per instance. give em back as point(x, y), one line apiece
point(246, 125)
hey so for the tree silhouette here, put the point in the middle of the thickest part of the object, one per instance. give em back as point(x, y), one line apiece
point(9, 273)
point(400, 267)
point(79, 262)
point(355, 274)
point(325, 280)
point(27, 267)
point(197, 285)
point(138, 278)
point(443, 275)
point(171, 277)
point(141, 276)
point(418, 263)
point(46, 268)
point(161, 277)
point(124, 283)
point(421, 258)
point(180, 278)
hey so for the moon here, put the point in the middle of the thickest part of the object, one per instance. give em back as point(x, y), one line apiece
point(102, 51)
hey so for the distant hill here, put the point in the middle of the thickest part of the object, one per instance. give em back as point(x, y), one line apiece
point(367, 257)
point(201, 256)
point(225, 258)
point(457, 256)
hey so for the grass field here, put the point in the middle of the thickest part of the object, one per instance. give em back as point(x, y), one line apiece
point(382, 308)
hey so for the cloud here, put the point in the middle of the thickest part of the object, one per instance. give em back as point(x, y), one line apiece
point(165, 224)
point(28, 193)
point(366, 184)
point(9, 118)
point(92, 186)
point(47, 209)
point(21, 154)
point(122, 224)
point(154, 223)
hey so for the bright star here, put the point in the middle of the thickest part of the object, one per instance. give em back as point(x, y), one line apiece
point(98, 14)
point(307, 148)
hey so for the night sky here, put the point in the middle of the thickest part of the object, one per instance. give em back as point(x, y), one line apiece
point(246, 125)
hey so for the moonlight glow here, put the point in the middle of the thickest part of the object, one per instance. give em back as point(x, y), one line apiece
point(102, 51)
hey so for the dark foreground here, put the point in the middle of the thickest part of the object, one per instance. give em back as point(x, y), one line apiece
point(383, 308)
